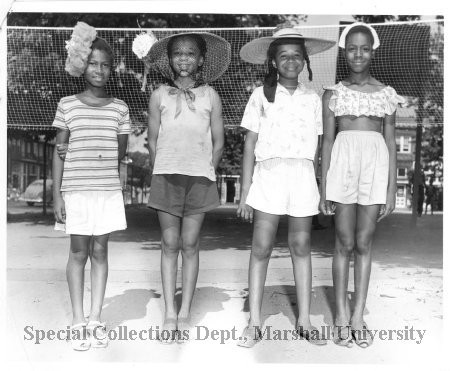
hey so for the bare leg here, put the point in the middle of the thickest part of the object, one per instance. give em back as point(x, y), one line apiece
point(190, 232)
point(299, 240)
point(264, 231)
point(99, 274)
point(365, 229)
point(78, 255)
point(345, 225)
point(170, 247)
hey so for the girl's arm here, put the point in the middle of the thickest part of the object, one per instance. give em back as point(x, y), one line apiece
point(154, 122)
point(329, 129)
point(123, 143)
point(62, 136)
point(316, 156)
point(389, 137)
point(248, 163)
point(217, 131)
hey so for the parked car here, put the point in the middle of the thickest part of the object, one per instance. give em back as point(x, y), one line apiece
point(35, 191)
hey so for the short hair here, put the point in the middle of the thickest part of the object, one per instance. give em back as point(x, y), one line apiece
point(360, 29)
point(102, 44)
point(198, 39)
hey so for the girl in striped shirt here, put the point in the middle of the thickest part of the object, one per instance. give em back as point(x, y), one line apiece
point(87, 193)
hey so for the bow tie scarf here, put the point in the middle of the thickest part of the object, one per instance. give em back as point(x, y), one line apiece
point(188, 95)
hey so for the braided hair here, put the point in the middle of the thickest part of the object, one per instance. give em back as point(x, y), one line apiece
point(201, 45)
point(270, 80)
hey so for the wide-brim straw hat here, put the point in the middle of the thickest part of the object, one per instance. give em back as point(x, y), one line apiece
point(255, 51)
point(217, 58)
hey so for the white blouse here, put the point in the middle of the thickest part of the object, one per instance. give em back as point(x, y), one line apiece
point(287, 128)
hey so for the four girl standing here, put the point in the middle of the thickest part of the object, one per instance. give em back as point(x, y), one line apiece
point(284, 122)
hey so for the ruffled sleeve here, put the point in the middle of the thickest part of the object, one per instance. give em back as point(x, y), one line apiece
point(392, 100)
point(333, 99)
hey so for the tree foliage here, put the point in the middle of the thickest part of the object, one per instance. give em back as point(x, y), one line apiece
point(385, 18)
point(153, 20)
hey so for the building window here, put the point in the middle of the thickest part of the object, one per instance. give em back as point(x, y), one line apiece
point(400, 200)
point(403, 144)
point(402, 172)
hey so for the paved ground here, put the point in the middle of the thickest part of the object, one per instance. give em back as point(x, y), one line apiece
point(405, 294)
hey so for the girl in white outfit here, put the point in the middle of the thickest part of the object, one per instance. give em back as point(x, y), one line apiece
point(284, 121)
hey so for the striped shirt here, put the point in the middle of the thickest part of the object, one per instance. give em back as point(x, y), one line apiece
point(92, 156)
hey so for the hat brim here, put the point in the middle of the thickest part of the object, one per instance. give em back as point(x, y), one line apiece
point(217, 58)
point(255, 51)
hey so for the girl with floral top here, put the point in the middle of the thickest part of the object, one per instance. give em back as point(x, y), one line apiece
point(283, 119)
point(358, 173)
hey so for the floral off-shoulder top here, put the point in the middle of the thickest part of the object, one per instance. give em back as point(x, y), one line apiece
point(346, 101)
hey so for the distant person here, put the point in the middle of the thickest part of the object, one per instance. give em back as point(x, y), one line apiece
point(430, 198)
point(420, 199)
point(358, 173)
point(87, 195)
point(283, 119)
point(186, 139)
point(421, 193)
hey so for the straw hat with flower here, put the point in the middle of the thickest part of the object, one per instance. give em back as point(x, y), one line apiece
point(217, 58)
point(255, 51)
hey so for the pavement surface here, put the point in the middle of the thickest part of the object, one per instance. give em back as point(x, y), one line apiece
point(404, 304)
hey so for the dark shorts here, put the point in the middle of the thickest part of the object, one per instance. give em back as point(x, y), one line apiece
point(182, 195)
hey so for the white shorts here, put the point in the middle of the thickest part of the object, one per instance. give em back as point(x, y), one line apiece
point(359, 168)
point(284, 186)
point(93, 213)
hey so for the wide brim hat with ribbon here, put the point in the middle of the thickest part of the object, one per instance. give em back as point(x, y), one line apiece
point(217, 58)
point(255, 51)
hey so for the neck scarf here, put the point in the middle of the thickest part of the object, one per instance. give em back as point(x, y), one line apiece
point(188, 95)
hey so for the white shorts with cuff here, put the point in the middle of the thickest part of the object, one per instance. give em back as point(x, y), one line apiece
point(93, 213)
point(284, 186)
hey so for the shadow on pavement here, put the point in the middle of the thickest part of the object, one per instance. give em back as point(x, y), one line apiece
point(32, 218)
point(282, 299)
point(130, 305)
point(207, 299)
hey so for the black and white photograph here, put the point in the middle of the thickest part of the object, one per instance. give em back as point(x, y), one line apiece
point(223, 185)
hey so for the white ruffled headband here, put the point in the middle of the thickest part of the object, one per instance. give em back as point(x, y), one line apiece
point(376, 40)
point(79, 48)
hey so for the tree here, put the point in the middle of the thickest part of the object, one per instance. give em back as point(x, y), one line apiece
point(385, 18)
point(232, 154)
point(433, 140)
point(141, 169)
point(153, 20)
